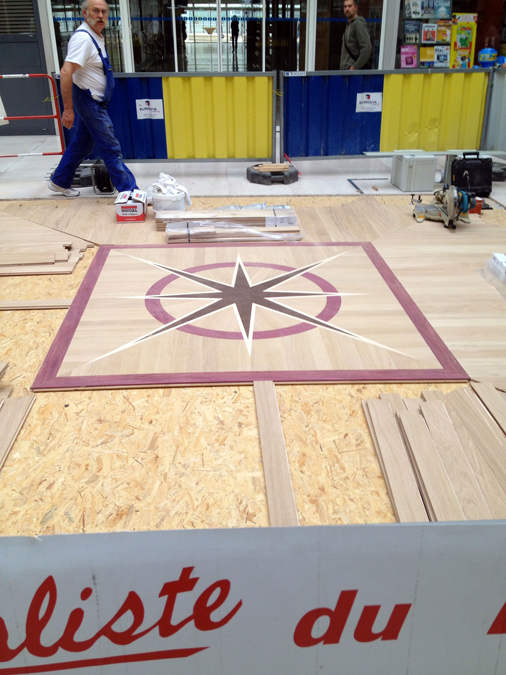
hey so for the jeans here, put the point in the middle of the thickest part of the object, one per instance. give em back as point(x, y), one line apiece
point(94, 127)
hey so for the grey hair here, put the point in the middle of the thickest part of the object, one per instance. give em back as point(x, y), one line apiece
point(84, 4)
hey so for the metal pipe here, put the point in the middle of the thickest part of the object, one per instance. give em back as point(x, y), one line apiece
point(218, 28)
point(486, 114)
point(174, 36)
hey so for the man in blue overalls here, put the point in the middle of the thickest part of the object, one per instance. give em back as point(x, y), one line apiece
point(86, 83)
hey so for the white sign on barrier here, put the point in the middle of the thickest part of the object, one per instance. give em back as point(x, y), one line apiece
point(149, 109)
point(427, 599)
point(369, 102)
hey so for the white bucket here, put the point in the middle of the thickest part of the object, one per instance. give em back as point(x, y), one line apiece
point(175, 202)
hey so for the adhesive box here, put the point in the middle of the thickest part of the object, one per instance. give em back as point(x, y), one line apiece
point(131, 206)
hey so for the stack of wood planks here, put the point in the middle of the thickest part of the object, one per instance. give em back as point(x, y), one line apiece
point(13, 412)
point(442, 456)
point(232, 225)
point(272, 167)
point(27, 248)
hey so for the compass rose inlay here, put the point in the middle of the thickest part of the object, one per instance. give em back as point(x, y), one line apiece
point(243, 297)
point(224, 313)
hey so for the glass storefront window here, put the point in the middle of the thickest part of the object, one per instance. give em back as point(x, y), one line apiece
point(199, 33)
point(285, 34)
point(330, 25)
point(463, 29)
point(67, 17)
point(152, 39)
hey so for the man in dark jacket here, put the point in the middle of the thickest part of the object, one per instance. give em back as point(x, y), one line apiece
point(356, 49)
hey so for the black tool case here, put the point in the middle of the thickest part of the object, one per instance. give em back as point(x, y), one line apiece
point(473, 173)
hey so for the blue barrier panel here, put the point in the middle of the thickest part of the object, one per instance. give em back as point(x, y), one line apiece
point(320, 118)
point(139, 138)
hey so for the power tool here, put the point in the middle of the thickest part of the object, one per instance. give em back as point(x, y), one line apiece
point(448, 205)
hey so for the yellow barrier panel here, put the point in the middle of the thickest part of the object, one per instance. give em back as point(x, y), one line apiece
point(217, 117)
point(433, 111)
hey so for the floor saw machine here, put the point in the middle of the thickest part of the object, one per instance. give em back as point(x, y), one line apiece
point(449, 205)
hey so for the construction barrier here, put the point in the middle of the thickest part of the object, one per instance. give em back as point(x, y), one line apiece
point(331, 114)
point(424, 598)
point(433, 111)
point(56, 116)
point(495, 136)
point(320, 117)
point(194, 116)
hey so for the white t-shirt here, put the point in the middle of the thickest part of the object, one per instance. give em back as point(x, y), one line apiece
point(81, 50)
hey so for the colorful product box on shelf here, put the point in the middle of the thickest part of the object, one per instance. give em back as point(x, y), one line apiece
point(131, 206)
point(428, 11)
point(442, 56)
point(443, 9)
point(463, 40)
point(426, 57)
point(409, 56)
point(412, 32)
point(429, 31)
point(412, 9)
point(444, 31)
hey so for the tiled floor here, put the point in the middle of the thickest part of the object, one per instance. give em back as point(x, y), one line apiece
point(26, 177)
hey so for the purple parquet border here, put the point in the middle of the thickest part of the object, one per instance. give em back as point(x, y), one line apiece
point(46, 377)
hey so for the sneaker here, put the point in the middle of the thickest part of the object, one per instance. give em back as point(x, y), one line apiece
point(68, 192)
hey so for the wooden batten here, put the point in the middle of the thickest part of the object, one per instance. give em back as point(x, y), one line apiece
point(12, 415)
point(278, 481)
point(404, 492)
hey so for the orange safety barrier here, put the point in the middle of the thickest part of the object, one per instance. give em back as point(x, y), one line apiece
point(38, 117)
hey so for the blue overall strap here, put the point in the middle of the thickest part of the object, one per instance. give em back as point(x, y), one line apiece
point(98, 49)
point(106, 64)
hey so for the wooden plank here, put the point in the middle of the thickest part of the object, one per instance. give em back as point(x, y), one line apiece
point(413, 404)
point(433, 395)
point(395, 401)
point(367, 415)
point(494, 494)
point(455, 461)
point(60, 250)
point(16, 231)
point(404, 492)
point(5, 390)
point(278, 480)
point(493, 401)
point(252, 217)
point(56, 268)
point(272, 167)
point(490, 447)
point(27, 257)
point(12, 417)
point(10, 305)
point(434, 481)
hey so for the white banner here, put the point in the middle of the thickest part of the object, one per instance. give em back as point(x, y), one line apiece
point(426, 599)
point(369, 102)
point(149, 109)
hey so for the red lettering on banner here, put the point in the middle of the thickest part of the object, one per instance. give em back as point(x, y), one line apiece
point(498, 626)
point(172, 589)
point(202, 610)
point(303, 636)
point(364, 632)
point(44, 601)
point(338, 618)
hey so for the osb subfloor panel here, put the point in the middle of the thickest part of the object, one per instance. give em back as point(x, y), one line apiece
point(176, 458)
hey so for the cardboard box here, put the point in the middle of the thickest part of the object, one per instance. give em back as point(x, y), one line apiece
point(131, 207)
